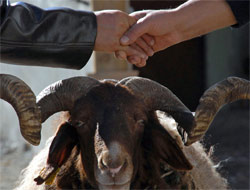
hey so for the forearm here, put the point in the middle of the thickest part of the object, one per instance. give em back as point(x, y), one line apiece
point(55, 38)
point(198, 17)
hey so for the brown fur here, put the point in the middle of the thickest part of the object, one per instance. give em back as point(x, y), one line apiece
point(117, 110)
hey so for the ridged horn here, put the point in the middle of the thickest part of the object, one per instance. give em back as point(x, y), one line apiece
point(20, 96)
point(158, 97)
point(61, 95)
point(224, 92)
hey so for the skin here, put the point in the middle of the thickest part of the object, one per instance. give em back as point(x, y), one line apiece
point(169, 27)
point(111, 25)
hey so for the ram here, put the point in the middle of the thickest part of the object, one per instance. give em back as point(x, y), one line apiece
point(124, 134)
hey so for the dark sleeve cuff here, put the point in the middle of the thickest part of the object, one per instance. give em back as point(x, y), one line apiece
point(240, 10)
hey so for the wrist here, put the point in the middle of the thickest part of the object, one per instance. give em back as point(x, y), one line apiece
point(174, 26)
point(97, 46)
point(198, 17)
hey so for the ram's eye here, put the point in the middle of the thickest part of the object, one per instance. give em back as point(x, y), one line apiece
point(140, 122)
point(77, 124)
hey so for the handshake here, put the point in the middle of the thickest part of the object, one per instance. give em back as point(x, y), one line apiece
point(138, 35)
point(129, 37)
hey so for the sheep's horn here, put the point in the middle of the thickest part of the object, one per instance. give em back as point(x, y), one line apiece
point(21, 97)
point(158, 97)
point(224, 92)
point(109, 80)
point(61, 95)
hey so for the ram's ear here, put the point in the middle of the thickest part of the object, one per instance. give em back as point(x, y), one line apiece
point(166, 148)
point(62, 145)
point(59, 152)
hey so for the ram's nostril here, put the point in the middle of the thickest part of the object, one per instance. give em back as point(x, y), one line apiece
point(112, 166)
point(103, 165)
point(113, 160)
point(107, 163)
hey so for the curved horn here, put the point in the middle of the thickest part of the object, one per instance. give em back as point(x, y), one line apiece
point(21, 97)
point(109, 80)
point(61, 95)
point(158, 97)
point(224, 92)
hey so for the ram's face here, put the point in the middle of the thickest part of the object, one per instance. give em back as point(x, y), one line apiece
point(110, 124)
point(107, 123)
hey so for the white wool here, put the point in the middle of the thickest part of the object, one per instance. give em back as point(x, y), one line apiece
point(26, 180)
point(203, 173)
point(171, 126)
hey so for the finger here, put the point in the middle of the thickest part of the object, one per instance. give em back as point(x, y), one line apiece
point(137, 48)
point(134, 58)
point(121, 55)
point(131, 20)
point(143, 45)
point(139, 14)
point(137, 30)
point(134, 50)
point(136, 61)
point(142, 63)
point(148, 39)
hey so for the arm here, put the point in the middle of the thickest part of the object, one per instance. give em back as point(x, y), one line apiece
point(198, 17)
point(191, 19)
point(60, 37)
point(33, 36)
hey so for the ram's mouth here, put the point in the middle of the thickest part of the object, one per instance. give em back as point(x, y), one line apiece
point(114, 185)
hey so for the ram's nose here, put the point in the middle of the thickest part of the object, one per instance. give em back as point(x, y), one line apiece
point(113, 160)
point(113, 171)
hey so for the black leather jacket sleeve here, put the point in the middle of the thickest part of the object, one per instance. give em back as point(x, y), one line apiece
point(240, 9)
point(53, 37)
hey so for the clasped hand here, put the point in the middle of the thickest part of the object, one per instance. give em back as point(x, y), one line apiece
point(136, 36)
point(111, 26)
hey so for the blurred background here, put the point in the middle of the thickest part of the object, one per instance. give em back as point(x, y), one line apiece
point(187, 69)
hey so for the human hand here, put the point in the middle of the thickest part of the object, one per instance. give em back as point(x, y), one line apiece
point(151, 24)
point(156, 23)
point(191, 19)
point(111, 25)
point(144, 43)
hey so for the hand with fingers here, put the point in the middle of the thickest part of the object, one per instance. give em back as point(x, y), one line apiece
point(111, 25)
point(153, 26)
point(145, 43)
point(155, 23)
point(169, 27)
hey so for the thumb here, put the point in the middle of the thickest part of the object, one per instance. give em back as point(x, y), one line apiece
point(139, 14)
point(137, 30)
